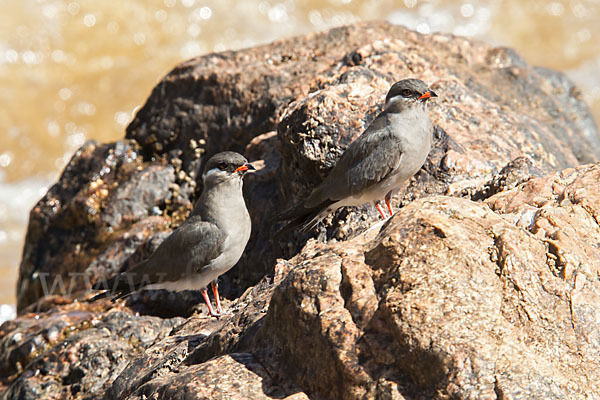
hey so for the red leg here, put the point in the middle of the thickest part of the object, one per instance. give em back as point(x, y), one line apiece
point(389, 206)
point(211, 310)
point(379, 209)
point(215, 288)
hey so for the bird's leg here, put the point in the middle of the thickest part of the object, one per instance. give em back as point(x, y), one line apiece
point(388, 197)
point(215, 288)
point(378, 206)
point(211, 310)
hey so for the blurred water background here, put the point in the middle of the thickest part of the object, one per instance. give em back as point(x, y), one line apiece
point(77, 70)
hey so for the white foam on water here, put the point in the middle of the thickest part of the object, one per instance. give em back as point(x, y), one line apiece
point(7, 312)
point(16, 200)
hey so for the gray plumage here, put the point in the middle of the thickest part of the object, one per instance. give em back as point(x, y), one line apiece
point(388, 153)
point(207, 244)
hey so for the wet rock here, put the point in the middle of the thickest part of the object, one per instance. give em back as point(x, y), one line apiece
point(72, 351)
point(137, 196)
point(102, 199)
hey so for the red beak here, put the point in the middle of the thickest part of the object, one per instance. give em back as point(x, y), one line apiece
point(427, 95)
point(245, 167)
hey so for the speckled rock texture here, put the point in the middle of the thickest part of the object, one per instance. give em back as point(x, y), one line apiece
point(451, 300)
point(483, 285)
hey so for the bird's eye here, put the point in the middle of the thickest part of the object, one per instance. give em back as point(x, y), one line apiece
point(406, 93)
point(223, 166)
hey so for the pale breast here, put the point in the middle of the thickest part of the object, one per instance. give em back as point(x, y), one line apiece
point(413, 129)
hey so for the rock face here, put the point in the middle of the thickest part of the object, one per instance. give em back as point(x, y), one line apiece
point(483, 285)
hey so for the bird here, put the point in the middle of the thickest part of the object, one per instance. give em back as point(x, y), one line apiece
point(375, 165)
point(208, 244)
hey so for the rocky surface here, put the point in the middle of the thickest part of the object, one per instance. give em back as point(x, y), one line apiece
point(483, 285)
point(451, 300)
point(72, 350)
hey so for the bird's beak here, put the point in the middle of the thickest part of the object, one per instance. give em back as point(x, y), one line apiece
point(245, 167)
point(427, 95)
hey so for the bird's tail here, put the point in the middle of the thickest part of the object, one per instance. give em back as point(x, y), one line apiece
point(118, 286)
point(305, 218)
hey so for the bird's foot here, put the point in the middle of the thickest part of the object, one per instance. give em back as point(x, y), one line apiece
point(218, 314)
point(211, 310)
point(215, 288)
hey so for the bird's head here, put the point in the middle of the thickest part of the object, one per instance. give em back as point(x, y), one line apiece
point(225, 167)
point(407, 93)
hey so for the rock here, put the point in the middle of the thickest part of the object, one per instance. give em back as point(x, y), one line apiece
point(191, 350)
point(318, 93)
point(451, 300)
point(90, 220)
point(235, 376)
point(72, 351)
point(515, 172)
point(483, 285)
point(562, 210)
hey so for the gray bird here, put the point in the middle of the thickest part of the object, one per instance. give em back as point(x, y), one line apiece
point(208, 244)
point(373, 167)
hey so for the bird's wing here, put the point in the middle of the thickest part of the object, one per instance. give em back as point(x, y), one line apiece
point(195, 240)
point(368, 160)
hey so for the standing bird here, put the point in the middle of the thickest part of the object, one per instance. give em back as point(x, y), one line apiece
point(388, 153)
point(208, 244)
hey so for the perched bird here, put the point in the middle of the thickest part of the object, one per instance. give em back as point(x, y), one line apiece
point(206, 245)
point(373, 167)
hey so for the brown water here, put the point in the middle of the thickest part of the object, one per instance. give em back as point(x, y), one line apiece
point(76, 70)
